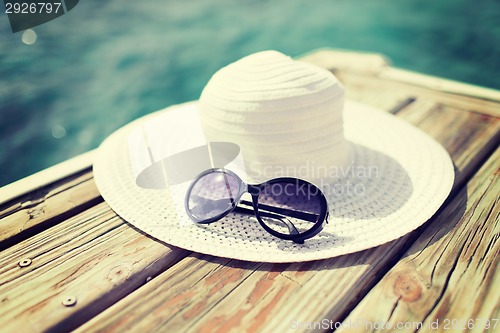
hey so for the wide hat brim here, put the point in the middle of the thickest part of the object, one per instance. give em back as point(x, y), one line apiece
point(399, 178)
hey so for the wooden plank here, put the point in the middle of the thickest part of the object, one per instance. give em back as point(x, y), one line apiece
point(271, 297)
point(196, 284)
point(441, 85)
point(468, 145)
point(46, 206)
point(199, 303)
point(349, 61)
point(46, 177)
point(450, 273)
point(359, 82)
point(94, 257)
point(370, 78)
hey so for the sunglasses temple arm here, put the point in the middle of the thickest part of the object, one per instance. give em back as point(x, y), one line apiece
point(287, 212)
point(244, 210)
point(293, 230)
point(249, 211)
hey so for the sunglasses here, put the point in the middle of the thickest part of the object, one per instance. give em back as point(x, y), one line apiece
point(288, 208)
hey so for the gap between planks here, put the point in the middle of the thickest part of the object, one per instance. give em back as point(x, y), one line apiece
point(45, 207)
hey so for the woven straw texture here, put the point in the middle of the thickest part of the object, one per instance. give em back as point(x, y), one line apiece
point(398, 180)
point(270, 104)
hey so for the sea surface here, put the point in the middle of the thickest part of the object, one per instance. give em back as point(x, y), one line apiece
point(71, 82)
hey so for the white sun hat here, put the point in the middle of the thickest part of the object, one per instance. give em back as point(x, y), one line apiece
point(268, 116)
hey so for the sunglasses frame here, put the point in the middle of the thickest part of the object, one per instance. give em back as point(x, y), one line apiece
point(255, 191)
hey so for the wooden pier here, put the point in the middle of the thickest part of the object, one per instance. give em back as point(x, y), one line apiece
point(68, 262)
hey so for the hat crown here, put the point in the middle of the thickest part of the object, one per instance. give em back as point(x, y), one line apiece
point(285, 115)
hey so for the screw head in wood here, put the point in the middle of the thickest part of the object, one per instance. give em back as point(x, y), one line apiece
point(25, 262)
point(69, 301)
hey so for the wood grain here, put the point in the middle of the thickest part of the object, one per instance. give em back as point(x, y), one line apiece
point(46, 206)
point(446, 274)
point(95, 257)
point(196, 284)
point(361, 70)
point(469, 137)
point(103, 262)
point(63, 170)
point(274, 297)
point(363, 83)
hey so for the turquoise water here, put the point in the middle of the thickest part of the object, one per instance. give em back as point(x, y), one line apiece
point(106, 63)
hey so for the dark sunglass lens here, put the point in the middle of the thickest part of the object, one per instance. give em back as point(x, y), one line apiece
point(290, 208)
point(212, 195)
